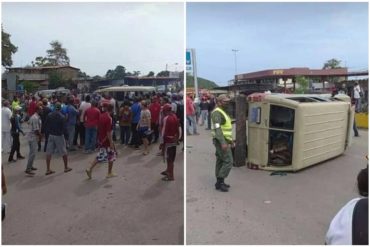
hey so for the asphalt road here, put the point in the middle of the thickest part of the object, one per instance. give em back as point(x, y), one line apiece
point(263, 209)
point(136, 207)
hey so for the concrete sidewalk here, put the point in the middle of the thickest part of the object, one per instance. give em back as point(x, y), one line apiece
point(263, 209)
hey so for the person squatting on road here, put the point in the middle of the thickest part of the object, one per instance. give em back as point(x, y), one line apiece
point(15, 130)
point(107, 151)
point(350, 226)
point(55, 125)
point(33, 137)
point(171, 133)
point(222, 139)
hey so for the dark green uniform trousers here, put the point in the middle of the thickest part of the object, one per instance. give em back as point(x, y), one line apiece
point(224, 160)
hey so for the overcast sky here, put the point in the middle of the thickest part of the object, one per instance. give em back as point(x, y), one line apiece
point(99, 36)
point(275, 35)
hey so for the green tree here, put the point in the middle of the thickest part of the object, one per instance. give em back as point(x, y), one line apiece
point(7, 49)
point(332, 64)
point(164, 73)
point(136, 73)
point(30, 86)
point(303, 85)
point(57, 55)
point(202, 83)
point(117, 74)
point(151, 73)
point(82, 74)
point(97, 78)
point(40, 62)
point(56, 80)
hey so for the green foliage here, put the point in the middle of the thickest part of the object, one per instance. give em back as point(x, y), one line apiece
point(56, 80)
point(30, 86)
point(151, 73)
point(332, 64)
point(97, 78)
point(7, 49)
point(56, 56)
point(303, 85)
point(118, 73)
point(202, 83)
point(164, 73)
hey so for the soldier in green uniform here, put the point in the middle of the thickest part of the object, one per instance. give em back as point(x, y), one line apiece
point(222, 139)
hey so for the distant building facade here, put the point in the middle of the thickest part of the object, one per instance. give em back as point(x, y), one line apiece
point(40, 75)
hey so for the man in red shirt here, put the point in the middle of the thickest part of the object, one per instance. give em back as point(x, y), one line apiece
point(32, 107)
point(190, 117)
point(107, 151)
point(171, 133)
point(155, 109)
point(91, 120)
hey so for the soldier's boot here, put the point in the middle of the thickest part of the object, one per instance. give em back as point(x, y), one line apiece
point(223, 182)
point(221, 186)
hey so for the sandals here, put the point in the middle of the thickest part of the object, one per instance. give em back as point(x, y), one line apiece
point(167, 179)
point(49, 172)
point(164, 173)
point(68, 170)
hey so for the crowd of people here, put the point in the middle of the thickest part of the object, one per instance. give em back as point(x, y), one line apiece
point(69, 123)
point(198, 112)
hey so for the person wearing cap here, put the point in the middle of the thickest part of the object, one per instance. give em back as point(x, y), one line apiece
point(350, 226)
point(33, 136)
point(171, 133)
point(55, 126)
point(107, 151)
point(6, 138)
point(222, 139)
point(15, 130)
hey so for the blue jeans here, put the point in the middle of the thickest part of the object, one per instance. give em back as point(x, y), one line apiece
point(125, 134)
point(191, 122)
point(90, 138)
point(71, 134)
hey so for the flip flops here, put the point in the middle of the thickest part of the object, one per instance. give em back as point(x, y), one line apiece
point(49, 172)
point(68, 170)
point(167, 179)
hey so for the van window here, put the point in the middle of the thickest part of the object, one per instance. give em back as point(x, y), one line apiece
point(281, 117)
point(280, 148)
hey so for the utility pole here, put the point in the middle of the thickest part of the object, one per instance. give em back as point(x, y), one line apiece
point(236, 71)
point(195, 72)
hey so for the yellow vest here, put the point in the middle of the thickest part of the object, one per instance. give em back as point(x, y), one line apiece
point(226, 127)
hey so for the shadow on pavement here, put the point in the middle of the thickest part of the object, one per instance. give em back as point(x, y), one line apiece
point(88, 186)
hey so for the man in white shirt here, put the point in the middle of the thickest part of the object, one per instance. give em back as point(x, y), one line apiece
point(357, 96)
point(345, 227)
point(6, 139)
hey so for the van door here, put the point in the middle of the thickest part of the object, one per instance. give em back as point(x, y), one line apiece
point(351, 117)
